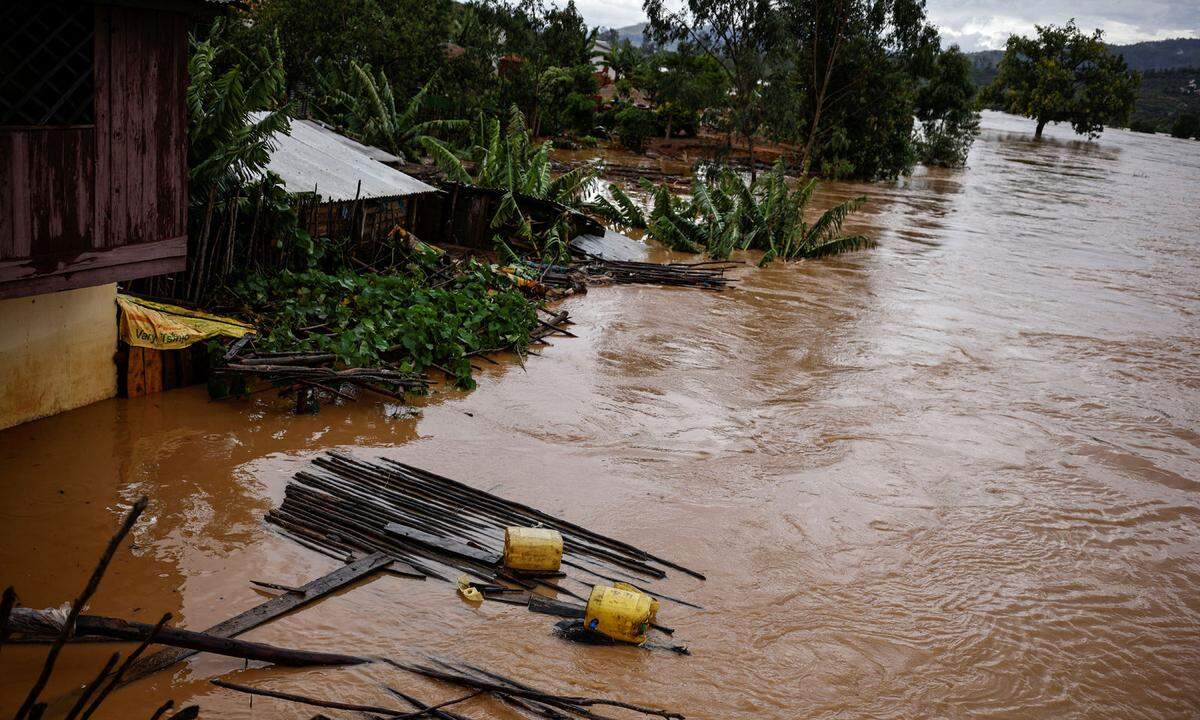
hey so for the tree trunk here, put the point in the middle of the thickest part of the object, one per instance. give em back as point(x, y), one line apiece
point(753, 165)
point(668, 136)
point(1037, 135)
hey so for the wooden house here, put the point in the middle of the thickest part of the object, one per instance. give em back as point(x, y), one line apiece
point(93, 185)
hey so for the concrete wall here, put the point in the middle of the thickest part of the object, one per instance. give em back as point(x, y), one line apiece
point(56, 352)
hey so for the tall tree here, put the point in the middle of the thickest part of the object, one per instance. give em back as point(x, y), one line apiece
point(737, 34)
point(684, 84)
point(945, 107)
point(854, 66)
point(1063, 75)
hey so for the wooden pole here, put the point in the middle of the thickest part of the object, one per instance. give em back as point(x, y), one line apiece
point(273, 608)
point(119, 629)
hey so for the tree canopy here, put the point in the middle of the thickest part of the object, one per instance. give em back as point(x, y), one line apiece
point(1063, 75)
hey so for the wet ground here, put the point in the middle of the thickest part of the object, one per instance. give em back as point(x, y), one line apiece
point(956, 476)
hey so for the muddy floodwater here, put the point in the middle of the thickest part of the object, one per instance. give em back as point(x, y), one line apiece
point(955, 476)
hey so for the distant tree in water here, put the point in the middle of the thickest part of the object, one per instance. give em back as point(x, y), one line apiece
point(1063, 75)
point(1186, 126)
point(945, 107)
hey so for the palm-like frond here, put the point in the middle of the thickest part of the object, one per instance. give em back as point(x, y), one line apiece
point(727, 213)
point(445, 159)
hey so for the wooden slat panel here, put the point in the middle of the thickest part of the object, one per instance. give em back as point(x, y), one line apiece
point(67, 191)
point(7, 250)
point(18, 169)
point(103, 77)
point(134, 97)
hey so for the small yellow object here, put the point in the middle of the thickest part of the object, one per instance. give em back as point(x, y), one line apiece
point(468, 592)
point(621, 612)
point(532, 549)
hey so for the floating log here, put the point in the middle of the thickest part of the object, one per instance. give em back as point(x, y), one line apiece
point(273, 608)
point(29, 620)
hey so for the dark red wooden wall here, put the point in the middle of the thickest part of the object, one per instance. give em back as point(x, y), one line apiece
point(93, 204)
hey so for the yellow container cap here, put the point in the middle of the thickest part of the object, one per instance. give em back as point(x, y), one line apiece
point(532, 549)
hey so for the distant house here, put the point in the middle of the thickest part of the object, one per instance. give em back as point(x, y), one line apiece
point(605, 75)
point(360, 195)
point(93, 185)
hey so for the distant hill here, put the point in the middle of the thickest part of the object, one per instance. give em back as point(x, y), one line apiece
point(632, 33)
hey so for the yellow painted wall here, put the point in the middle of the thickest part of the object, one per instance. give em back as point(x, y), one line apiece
point(56, 352)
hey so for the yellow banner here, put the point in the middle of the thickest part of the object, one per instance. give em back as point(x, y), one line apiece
point(160, 326)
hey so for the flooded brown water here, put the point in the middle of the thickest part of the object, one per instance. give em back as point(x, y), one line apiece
point(956, 476)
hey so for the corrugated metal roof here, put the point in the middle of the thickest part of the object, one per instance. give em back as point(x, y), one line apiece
point(315, 157)
point(374, 153)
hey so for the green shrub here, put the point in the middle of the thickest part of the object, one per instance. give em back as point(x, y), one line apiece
point(634, 125)
point(363, 317)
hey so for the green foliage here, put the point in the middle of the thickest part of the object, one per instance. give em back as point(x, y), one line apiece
point(1186, 126)
point(227, 147)
point(727, 213)
point(565, 100)
point(1063, 75)
point(508, 160)
point(634, 125)
point(739, 36)
point(363, 317)
point(945, 107)
point(845, 84)
point(366, 106)
point(685, 85)
point(621, 210)
point(623, 59)
point(401, 37)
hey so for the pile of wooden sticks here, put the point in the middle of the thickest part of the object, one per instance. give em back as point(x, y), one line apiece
point(346, 505)
point(709, 275)
point(305, 371)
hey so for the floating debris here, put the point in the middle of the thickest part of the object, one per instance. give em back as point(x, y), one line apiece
point(346, 505)
point(540, 702)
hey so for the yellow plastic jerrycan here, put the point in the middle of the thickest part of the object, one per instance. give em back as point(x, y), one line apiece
point(532, 549)
point(621, 612)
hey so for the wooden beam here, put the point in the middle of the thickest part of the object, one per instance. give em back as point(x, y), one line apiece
point(67, 271)
point(273, 608)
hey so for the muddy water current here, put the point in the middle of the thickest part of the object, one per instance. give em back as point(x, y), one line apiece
point(955, 476)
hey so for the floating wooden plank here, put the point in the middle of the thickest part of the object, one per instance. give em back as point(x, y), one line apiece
point(549, 606)
point(442, 544)
point(273, 608)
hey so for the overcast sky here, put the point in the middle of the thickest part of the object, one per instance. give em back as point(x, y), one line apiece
point(986, 24)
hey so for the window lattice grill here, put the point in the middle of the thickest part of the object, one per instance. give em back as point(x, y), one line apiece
point(46, 62)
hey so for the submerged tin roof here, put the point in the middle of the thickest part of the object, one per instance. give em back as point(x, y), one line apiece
point(315, 157)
